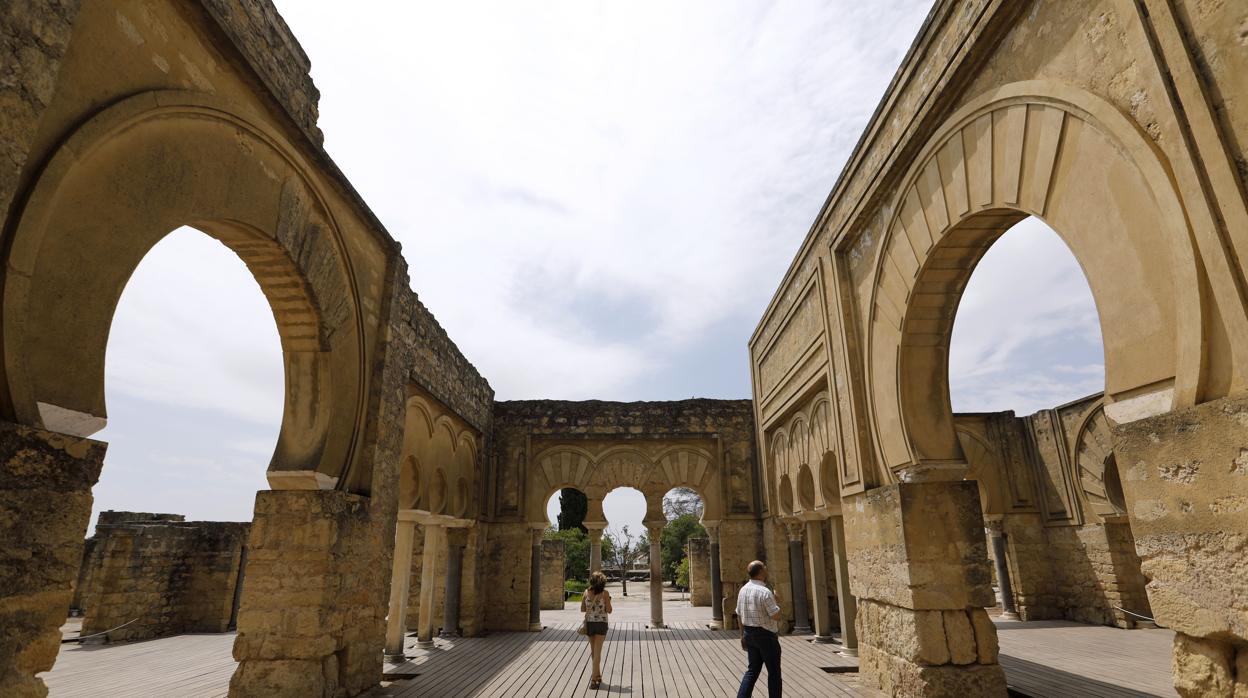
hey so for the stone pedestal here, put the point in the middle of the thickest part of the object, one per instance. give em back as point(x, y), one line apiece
point(435, 541)
point(655, 531)
point(918, 566)
point(312, 615)
point(847, 605)
point(797, 564)
point(717, 584)
point(400, 584)
point(819, 580)
point(996, 533)
point(1185, 480)
point(45, 507)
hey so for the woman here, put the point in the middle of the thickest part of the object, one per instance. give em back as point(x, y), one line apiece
point(596, 604)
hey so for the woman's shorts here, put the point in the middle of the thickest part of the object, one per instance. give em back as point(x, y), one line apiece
point(595, 628)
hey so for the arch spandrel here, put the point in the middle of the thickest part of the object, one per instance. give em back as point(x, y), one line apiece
point(118, 184)
point(801, 460)
point(1042, 149)
point(445, 453)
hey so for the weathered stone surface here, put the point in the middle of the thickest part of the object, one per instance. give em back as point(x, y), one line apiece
point(918, 545)
point(1203, 668)
point(699, 552)
point(1194, 551)
point(552, 574)
point(45, 505)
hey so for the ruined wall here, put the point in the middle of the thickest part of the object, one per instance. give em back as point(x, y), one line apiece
point(552, 575)
point(167, 575)
point(699, 553)
point(1069, 544)
point(507, 561)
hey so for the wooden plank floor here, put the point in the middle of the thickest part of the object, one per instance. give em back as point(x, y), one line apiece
point(686, 659)
point(1045, 659)
point(1057, 659)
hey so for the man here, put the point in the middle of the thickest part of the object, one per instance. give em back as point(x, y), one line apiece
point(759, 610)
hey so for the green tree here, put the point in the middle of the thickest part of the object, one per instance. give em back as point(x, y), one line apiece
point(672, 543)
point(682, 573)
point(573, 506)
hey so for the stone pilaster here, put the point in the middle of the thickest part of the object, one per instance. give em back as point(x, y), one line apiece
point(797, 563)
point(818, 580)
point(400, 583)
point(435, 541)
point(456, 540)
point(45, 507)
point(535, 579)
point(1185, 479)
point(717, 584)
point(655, 531)
point(847, 606)
point(309, 621)
point(918, 565)
point(996, 533)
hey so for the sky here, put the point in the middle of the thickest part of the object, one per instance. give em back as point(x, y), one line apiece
point(596, 200)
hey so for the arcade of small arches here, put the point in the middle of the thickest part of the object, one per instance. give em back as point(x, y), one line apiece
point(400, 488)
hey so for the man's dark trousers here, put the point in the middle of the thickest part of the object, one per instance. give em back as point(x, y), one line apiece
point(763, 647)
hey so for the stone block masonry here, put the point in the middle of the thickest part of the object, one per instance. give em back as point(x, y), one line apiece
point(45, 505)
point(154, 575)
point(552, 575)
point(699, 551)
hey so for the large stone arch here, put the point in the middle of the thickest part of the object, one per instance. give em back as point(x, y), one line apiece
point(1048, 150)
point(118, 184)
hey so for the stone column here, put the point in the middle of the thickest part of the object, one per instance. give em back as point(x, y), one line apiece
point(819, 580)
point(717, 584)
point(797, 563)
point(455, 542)
point(45, 507)
point(595, 547)
point(435, 537)
point(846, 604)
point(1184, 476)
point(400, 586)
point(918, 566)
point(535, 580)
point(655, 531)
point(996, 532)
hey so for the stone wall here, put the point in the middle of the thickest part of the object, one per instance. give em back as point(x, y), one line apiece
point(699, 552)
point(158, 575)
point(1070, 552)
point(507, 559)
point(552, 575)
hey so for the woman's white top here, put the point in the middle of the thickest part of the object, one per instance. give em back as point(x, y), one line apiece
point(596, 608)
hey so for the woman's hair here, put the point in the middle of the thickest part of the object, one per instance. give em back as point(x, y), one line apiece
point(597, 582)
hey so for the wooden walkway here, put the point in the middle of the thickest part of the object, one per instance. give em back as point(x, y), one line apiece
point(1045, 659)
point(686, 660)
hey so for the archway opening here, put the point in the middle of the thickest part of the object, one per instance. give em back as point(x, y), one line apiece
point(566, 553)
point(1026, 375)
point(194, 381)
point(624, 509)
point(686, 559)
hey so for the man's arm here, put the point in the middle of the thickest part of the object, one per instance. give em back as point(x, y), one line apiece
point(773, 608)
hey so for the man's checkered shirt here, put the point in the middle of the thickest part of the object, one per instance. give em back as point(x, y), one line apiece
point(756, 604)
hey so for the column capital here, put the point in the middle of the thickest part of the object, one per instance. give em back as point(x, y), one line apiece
point(536, 534)
point(995, 525)
point(655, 529)
point(712, 531)
point(795, 529)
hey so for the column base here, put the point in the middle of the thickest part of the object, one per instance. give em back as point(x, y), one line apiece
point(1009, 615)
point(848, 651)
point(535, 627)
point(824, 640)
point(424, 644)
point(657, 626)
point(394, 658)
point(449, 633)
point(802, 630)
point(716, 625)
